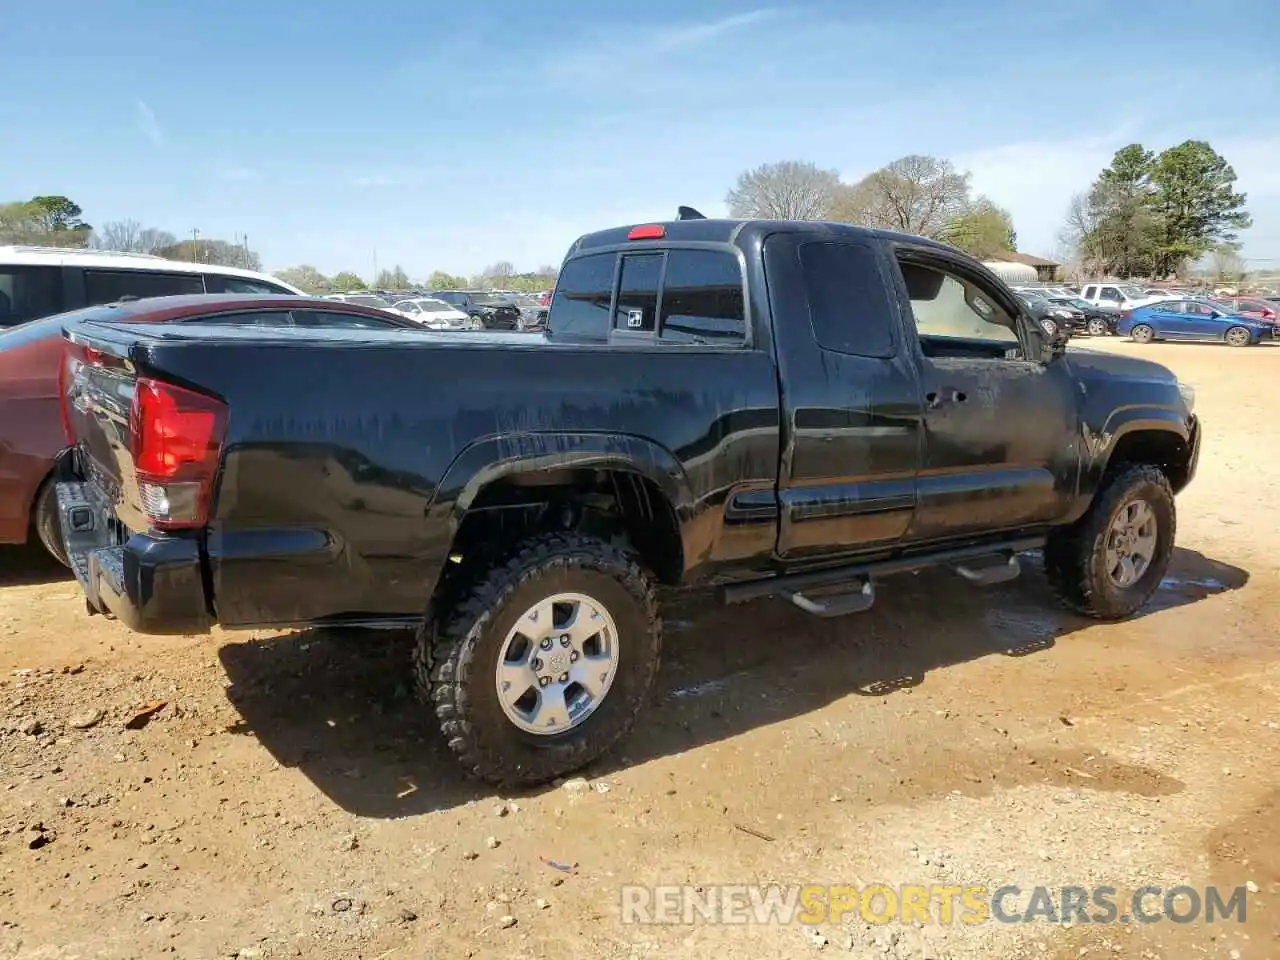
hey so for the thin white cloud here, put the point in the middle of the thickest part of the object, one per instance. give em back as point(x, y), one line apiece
point(695, 34)
point(1036, 179)
point(148, 123)
point(619, 54)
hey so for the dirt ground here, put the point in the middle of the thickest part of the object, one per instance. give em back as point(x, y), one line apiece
point(290, 799)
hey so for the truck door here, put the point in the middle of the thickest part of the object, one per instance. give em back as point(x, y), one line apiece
point(851, 404)
point(1001, 446)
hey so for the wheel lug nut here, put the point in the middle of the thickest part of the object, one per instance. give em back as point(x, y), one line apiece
point(573, 657)
point(543, 681)
point(537, 664)
point(546, 643)
point(564, 678)
point(564, 640)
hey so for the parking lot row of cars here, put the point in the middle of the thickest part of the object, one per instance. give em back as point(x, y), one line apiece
point(459, 309)
point(1152, 313)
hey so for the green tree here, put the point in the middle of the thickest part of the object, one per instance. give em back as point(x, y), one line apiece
point(346, 282)
point(43, 221)
point(982, 230)
point(306, 278)
point(440, 280)
point(1195, 202)
point(393, 279)
point(58, 214)
point(1122, 228)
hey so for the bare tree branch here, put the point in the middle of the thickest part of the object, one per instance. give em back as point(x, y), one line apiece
point(790, 190)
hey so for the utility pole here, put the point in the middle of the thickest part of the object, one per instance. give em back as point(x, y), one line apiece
point(195, 244)
point(373, 281)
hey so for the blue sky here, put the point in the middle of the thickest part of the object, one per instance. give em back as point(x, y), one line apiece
point(451, 137)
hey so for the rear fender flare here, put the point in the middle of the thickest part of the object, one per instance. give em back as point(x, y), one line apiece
point(487, 461)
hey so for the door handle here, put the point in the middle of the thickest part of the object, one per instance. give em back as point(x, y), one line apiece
point(944, 397)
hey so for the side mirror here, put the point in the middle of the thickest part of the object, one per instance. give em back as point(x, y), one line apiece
point(1053, 339)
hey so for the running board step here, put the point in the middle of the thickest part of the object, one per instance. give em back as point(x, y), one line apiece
point(990, 570)
point(837, 604)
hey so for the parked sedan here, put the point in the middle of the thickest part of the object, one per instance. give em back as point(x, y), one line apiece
point(1097, 321)
point(435, 314)
point(1191, 320)
point(1255, 308)
point(1051, 316)
point(31, 430)
point(494, 310)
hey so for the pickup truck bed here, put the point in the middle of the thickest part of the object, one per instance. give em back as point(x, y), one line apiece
point(775, 409)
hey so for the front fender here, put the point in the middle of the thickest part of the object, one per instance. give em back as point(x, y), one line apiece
point(1100, 444)
point(494, 458)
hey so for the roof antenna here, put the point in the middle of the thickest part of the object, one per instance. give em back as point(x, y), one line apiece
point(688, 213)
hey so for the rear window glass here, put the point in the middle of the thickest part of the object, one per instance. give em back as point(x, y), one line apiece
point(580, 305)
point(109, 286)
point(27, 293)
point(638, 292)
point(702, 298)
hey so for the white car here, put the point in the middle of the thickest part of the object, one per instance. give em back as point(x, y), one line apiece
point(1116, 296)
point(435, 314)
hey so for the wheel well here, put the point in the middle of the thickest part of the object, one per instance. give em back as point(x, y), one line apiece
point(1159, 448)
point(603, 502)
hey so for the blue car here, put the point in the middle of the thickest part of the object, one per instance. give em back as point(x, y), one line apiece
point(1191, 319)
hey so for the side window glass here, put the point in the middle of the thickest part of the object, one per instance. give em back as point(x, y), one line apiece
point(580, 305)
point(27, 293)
point(1111, 293)
point(258, 318)
point(219, 283)
point(947, 307)
point(333, 320)
point(110, 286)
point(702, 298)
point(849, 305)
point(637, 308)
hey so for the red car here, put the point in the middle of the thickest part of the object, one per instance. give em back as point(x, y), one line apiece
point(1253, 308)
point(31, 429)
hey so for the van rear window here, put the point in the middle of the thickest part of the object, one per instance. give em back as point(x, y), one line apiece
point(27, 293)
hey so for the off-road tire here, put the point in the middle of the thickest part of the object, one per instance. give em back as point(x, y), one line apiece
point(47, 525)
point(462, 636)
point(1074, 557)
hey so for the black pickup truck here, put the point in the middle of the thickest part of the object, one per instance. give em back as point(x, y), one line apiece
point(785, 409)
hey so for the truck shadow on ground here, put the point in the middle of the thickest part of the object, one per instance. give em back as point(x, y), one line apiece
point(30, 565)
point(338, 705)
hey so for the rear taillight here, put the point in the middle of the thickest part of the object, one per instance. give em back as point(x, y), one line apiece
point(176, 438)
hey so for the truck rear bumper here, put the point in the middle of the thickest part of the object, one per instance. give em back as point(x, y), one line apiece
point(153, 585)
